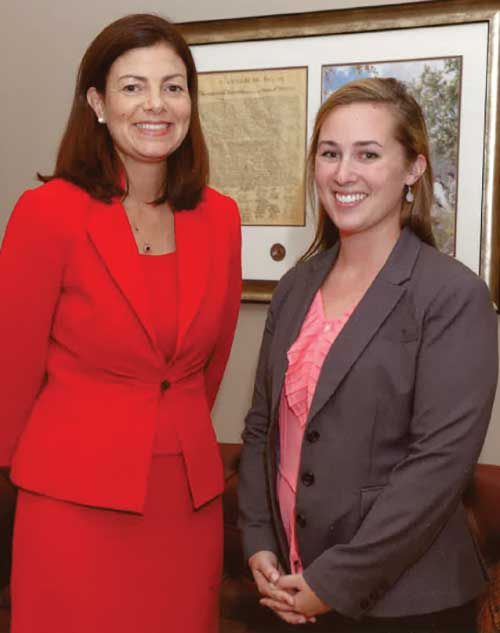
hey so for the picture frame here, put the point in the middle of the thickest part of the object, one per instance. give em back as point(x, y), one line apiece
point(395, 32)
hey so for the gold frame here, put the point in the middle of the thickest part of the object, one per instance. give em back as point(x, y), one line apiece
point(434, 13)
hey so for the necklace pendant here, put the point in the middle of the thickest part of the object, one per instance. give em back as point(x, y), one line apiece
point(147, 248)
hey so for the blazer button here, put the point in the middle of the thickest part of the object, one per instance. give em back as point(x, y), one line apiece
point(307, 479)
point(164, 385)
point(383, 586)
point(301, 520)
point(312, 436)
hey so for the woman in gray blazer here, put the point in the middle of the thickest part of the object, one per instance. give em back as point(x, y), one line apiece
point(373, 393)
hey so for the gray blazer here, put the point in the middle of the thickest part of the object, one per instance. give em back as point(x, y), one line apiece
point(395, 427)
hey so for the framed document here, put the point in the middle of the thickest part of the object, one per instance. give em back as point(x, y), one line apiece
point(259, 117)
point(454, 44)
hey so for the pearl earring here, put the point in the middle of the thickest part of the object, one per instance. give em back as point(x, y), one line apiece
point(409, 197)
point(100, 119)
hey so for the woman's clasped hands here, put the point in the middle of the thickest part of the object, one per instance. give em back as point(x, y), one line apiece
point(288, 595)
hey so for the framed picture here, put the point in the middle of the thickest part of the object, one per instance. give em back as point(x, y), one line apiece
point(274, 72)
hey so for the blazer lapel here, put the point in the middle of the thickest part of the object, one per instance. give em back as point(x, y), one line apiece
point(110, 232)
point(310, 277)
point(192, 237)
point(378, 302)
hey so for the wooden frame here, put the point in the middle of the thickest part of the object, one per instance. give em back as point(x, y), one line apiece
point(370, 20)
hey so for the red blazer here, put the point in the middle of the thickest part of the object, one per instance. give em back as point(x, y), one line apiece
point(82, 381)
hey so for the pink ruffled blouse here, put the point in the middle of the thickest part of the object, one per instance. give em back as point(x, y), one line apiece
point(305, 359)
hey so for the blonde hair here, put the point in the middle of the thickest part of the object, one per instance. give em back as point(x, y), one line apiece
point(410, 131)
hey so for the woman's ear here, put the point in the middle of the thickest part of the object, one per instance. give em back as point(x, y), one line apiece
point(416, 170)
point(95, 102)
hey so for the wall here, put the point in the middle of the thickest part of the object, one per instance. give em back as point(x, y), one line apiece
point(41, 43)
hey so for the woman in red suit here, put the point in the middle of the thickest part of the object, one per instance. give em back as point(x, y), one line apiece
point(120, 281)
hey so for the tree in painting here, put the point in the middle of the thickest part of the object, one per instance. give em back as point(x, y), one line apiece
point(438, 92)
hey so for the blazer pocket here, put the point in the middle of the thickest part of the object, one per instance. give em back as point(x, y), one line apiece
point(402, 334)
point(368, 496)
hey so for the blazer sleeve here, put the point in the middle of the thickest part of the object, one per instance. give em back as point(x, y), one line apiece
point(214, 369)
point(31, 269)
point(255, 517)
point(454, 390)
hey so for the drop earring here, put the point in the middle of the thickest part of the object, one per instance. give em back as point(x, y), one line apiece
point(409, 197)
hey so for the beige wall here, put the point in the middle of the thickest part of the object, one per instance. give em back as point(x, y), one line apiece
point(41, 43)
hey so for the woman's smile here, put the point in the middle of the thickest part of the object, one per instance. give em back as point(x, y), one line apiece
point(153, 128)
point(349, 199)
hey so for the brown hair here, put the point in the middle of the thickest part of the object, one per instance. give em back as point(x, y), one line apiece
point(410, 132)
point(86, 154)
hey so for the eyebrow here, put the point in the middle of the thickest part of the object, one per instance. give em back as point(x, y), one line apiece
point(356, 144)
point(141, 78)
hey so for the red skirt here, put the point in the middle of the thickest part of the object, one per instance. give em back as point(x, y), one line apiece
point(86, 570)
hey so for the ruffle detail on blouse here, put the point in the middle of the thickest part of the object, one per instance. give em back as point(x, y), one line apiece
point(306, 357)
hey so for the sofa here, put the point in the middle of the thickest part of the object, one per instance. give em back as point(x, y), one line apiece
point(240, 612)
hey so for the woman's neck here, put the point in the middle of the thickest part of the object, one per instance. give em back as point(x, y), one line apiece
point(361, 257)
point(146, 181)
point(367, 252)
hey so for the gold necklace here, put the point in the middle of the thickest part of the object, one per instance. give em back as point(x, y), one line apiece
point(146, 247)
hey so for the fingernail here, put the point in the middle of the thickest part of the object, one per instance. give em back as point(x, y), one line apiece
point(274, 576)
